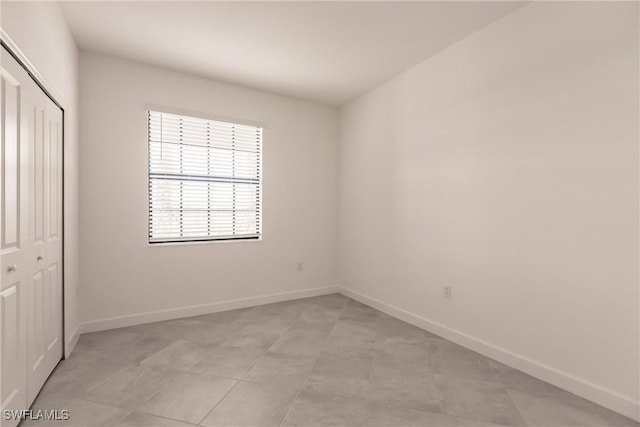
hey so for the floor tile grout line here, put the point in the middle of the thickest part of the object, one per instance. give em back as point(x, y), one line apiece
point(189, 371)
point(168, 368)
point(175, 340)
point(489, 383)
point(86, 399)
point(269, 347)
point(134, 363)
point(515, 405)
point(373, 359)
point(442, 412)
point(217, 403)
point(104, 381)
point(506, 389)
point(164, 417)
point(241, 380)
point(394, 405)
point(130, 410)
point(286, 414)
point(458, 417)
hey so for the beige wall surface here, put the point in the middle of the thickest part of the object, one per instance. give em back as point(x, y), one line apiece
point(121, 273)
point(506, 166)
point(40, 32)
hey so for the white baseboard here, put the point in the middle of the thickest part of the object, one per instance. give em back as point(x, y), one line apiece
point(71, 341)
point(195, 310)
point(602, 396)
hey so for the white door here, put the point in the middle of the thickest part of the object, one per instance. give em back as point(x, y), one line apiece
point(44, 290)
point(13, 243)
point(31, 221)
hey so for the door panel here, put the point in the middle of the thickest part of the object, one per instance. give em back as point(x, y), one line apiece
point(54, 170)
point(13, 396)
point(38, 175)
point(11, 165)
point(45, 344)
point(54, 300)
point(13, 254)
point(36, 317)
point(37, 343)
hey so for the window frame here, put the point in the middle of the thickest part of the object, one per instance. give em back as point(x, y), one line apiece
point(204, 116)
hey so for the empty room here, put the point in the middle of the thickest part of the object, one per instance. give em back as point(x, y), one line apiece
point(320, 213)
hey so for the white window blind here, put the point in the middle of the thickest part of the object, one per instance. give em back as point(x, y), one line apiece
point(204, 179)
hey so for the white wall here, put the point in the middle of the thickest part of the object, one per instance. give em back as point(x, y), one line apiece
point(123, 276)
point(40, 32)
point(507, 167)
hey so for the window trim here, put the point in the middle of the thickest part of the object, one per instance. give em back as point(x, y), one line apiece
point(204, 116)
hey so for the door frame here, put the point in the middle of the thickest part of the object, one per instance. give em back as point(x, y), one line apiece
point(49, 90)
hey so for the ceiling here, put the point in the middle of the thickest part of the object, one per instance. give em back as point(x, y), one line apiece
point(327, 52)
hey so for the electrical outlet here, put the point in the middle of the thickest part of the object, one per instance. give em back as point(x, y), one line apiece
point(446, 292)
point(300, 266)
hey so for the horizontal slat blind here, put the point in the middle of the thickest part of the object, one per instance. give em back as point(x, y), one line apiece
point(204, 179)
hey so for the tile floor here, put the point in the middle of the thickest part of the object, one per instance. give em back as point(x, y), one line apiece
point(324, 361)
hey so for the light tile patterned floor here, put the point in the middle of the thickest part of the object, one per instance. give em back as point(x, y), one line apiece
point(324, 361)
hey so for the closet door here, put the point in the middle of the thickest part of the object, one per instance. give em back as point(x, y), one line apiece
point(14, 246)
point(44, 295)
point(31, 310)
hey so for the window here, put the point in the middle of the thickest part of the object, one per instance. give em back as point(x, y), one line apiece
point(204, 179)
